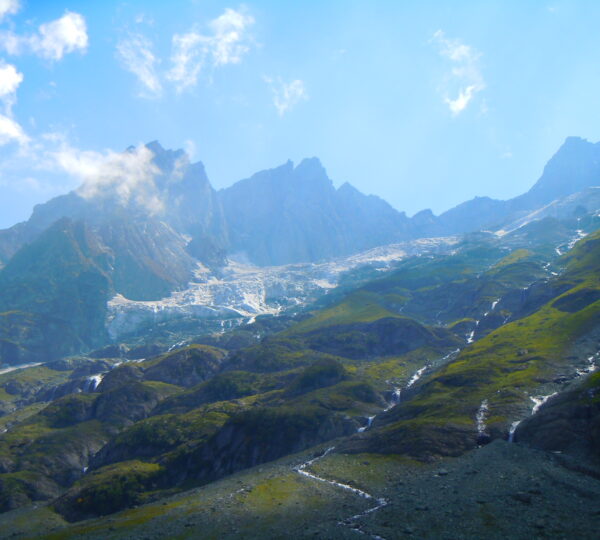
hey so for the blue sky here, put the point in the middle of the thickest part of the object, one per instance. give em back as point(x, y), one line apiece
point(425, 104)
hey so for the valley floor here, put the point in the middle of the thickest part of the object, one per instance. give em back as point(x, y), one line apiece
point(499, 491)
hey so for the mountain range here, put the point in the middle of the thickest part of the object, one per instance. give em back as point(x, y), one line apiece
point(147, 247)
point(287, 359)
point(294, 214)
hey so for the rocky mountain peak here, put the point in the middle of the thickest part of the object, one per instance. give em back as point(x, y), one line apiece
point(574, 167)
point(311, 169)
point(348, 190)
point(171, 163)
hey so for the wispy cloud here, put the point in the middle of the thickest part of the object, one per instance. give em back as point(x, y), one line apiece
point(127, 177)
point(286, 95)
point(136, 55)
point(226, 43)
point(465, 79)
point(53, 40)
point(9, 7)
point(193, 53)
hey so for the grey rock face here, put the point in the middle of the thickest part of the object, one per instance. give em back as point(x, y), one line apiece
point(294, 214)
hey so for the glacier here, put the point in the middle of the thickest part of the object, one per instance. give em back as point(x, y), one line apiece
point(239, 292)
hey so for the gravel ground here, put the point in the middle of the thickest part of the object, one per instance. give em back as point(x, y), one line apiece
point(499, 491)
point(504, 491)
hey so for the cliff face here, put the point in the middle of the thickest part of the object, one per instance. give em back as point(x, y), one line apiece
point(294, 214)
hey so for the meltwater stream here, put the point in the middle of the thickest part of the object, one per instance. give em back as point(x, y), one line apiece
point(397, 391)
point(381, 502)
point(396, 395)
point(21, 366)
point(350, 521)
point(418, 374)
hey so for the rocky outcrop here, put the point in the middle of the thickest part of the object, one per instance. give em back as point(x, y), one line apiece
point(424, 441)
point(257, 436)
point(186, 367)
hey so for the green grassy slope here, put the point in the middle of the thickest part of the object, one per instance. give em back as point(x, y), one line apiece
point(505, 367)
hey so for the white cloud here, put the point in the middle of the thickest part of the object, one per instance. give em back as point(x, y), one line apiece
point(135, 53)
point(465, 79)
point(50, 164)
point(10, 79)
point(53, 39)
point(127, 176)
point(190, 52)
point(229, 37)
point(227, 43)
point(286, 95)
point(62, 36)
point(11, 131)
point(460, 102)
point(8, 7)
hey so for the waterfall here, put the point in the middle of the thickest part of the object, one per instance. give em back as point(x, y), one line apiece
point(416, 376)
point(511, 432)
point(538, 401)
point(92, 382)
point(481, 416)
point(480, 420)
point(369, 422)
